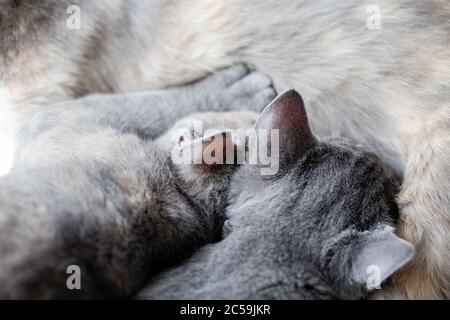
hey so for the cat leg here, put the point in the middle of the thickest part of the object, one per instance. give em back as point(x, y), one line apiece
point(151, 114)
point(199, 125)
point(425, 217)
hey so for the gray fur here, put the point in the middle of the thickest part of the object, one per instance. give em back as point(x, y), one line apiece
point(98, 190)
point(309, 232)
point(387, 89)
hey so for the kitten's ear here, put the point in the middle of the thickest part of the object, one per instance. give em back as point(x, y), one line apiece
point(381, 254)
point(359, 262)
point(215, 148)
point(287, 114)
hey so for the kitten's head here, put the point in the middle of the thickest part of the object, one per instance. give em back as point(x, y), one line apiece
point(203, 156)
point(327, 215)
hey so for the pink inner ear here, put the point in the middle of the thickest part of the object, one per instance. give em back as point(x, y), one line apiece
point(287, 114)
point(210, 150)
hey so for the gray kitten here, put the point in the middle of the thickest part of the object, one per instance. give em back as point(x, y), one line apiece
point(313, 231)
point(374, 71)
point(95, 188)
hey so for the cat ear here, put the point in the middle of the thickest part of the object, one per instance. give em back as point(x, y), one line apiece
point(380, 255)
point(216, 148)
point(359, 262)
point(287, 114)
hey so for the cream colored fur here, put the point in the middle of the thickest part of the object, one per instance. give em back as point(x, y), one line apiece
point(388, 89)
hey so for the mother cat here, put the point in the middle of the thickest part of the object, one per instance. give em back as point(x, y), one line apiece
point(386, 88)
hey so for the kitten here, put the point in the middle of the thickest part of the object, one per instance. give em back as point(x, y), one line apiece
point(374, 71)
point(313, 231)
point(98, 190)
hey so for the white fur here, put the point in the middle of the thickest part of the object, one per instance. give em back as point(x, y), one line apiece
point(387, 89)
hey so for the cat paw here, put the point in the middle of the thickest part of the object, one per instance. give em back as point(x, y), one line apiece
point(196, 125)
point(238, 89)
